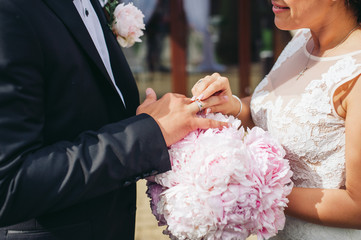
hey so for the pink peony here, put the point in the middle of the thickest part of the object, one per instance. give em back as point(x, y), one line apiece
point(224, 184)
point(128, 24)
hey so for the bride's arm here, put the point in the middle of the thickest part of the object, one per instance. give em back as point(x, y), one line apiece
point(216, 96)
point(245, 115)
point(337, 207)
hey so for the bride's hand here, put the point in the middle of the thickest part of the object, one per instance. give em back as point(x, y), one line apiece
point(216, 94)
point(176, 115)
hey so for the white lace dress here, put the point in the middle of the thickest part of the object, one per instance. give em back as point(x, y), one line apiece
point(300, 113)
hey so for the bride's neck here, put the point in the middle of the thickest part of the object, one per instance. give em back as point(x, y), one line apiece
point(332, 36)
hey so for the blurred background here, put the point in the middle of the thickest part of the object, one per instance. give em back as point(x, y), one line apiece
point(186, 40)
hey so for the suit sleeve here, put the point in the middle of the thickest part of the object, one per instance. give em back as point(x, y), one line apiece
point(35, 178)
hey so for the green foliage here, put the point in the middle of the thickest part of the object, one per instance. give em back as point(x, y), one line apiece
point(109, 8)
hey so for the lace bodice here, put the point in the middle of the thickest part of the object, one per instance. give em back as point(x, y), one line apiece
point(301, 114)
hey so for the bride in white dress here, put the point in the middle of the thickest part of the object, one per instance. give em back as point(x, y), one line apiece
point(310, 101)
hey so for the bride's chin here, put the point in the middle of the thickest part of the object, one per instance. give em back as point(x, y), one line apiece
point(282, 25)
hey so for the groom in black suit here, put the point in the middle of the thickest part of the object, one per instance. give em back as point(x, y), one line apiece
point(72, 145)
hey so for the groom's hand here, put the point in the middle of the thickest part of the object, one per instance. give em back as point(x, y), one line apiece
point(176, 115)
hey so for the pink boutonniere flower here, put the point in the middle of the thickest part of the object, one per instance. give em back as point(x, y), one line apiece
point(127, 24)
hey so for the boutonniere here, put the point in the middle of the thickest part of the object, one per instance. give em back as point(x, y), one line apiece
point(126, 21)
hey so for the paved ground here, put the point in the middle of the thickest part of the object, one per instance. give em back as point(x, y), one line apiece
point(146, 224)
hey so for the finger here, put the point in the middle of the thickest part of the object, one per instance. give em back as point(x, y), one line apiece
point(196, 106)
point(199, 86)
point(151, 97)
point(205, 123)
point(218, 87)
point(203, 83)
point(212, 101)
point(215, 104)
point(215, 100)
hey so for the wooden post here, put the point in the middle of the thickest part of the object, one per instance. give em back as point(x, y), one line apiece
point(178, 32)
point(244, 33)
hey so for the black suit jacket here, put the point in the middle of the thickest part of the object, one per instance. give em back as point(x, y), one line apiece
point(70, 152)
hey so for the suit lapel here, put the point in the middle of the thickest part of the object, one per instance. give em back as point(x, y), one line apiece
point(121, 71)
point(68, 14)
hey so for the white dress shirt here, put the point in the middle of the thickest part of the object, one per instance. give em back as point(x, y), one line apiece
point(91, 21)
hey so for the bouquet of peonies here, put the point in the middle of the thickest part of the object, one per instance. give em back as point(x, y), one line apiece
point(224, 184)
point(127, 24)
